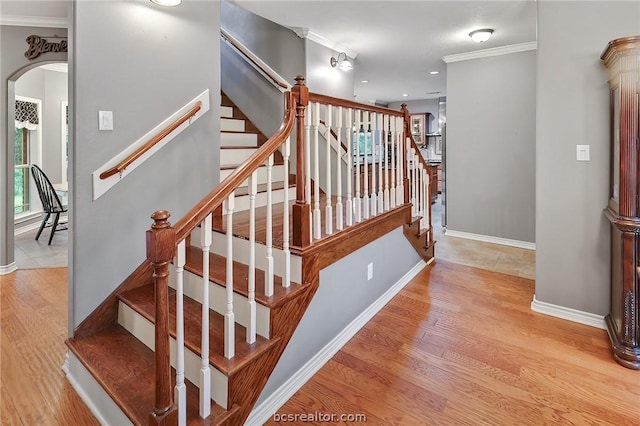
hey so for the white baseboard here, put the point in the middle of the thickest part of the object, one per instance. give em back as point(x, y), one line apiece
point(7, 269)
point(489, 239)
point(24, 229)
point(98, 401)
point(570, 314)
point(264, 411)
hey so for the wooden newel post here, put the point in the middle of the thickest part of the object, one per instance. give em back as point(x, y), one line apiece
point(161, 244)
point(407, 133)
point(301, 210)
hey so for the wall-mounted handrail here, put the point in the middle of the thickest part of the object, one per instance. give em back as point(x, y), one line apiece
point(121, 166)
point(255, 61)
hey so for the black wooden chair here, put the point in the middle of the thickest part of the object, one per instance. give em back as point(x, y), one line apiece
point(50, 202)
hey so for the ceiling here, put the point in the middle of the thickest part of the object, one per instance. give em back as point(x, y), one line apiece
point(399, 42)
point(396, 43)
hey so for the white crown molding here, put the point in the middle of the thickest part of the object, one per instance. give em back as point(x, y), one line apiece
point(57, 66)
point(34, 21)
point(494, 51)
point(490, 239)
point(321, 40)
point(264, 411)
point(569, 314)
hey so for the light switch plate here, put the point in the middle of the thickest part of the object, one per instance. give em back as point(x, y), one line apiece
point(582, 153)
point(105, 120)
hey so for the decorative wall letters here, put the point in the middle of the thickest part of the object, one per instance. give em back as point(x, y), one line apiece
point(39, 45)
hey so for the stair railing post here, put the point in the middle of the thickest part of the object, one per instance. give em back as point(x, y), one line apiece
point(301, 210)
point(161, 247)
point(407, 134)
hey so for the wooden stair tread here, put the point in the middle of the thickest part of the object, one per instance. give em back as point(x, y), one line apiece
point(238, 131)
point(244, 190)
point(142, 300)
point(124, 367)
point(217, 274)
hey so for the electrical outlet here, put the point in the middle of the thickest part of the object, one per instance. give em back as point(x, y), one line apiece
point(369, 271)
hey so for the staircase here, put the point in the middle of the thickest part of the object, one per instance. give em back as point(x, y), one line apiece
point(230, 259)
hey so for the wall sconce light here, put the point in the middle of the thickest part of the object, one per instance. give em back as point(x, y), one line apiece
point(166, 2)
point(341, 62)
point(482, 35)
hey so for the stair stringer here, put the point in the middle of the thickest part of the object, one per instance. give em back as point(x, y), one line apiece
point(246, 386)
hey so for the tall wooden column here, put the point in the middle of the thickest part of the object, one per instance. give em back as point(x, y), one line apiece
point(301, 210)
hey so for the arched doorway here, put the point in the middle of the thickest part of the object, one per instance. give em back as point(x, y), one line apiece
point(41, 95)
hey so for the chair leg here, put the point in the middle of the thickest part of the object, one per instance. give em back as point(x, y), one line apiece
point(54, 226)
point(44, 222)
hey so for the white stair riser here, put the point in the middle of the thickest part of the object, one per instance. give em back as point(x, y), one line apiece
point(238, 139)
point(231, 124)
point(242, 202)
point(230, 156)
point(226, 112)
point(277, 175)
point(144, 331)
point(241, 254)
point(218, 303)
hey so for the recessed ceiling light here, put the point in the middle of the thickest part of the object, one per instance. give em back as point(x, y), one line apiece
point(481, 35)
point(364, 81)
point(434, 72)
point(405, 95)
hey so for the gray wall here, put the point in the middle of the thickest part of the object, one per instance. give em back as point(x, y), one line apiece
point(277, 46)
point(13, 64)
point(322, 78)
point(344, 293)
point(56, 91)
point(491, 146)
point(572, 235)
point(140, 61)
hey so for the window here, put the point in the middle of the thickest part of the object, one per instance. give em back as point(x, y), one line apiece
point(21, 173)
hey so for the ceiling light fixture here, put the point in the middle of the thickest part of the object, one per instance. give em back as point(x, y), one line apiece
point(167, 2)
point(434, 72)
point(482, 35)
point(405, 95)
point(364, 81)
point(341, 62)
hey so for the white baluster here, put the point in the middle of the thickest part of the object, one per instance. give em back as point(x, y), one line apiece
point(387, 162)
point(349, 131)
point(307, 165)
point(317, 224)
point(357, 202)
point(374, 132)
point(380, 145)
point(269, 273)
point(400, 161)
point(180, 389)
point(339, 210)
point(413, 183)
point(365, 195)
point(229, 317)
point(251, 287)
point(394, 153)
point(285, 219)
point(426, 201)
point(328, 210)
point(205, 372)
point(420, 189)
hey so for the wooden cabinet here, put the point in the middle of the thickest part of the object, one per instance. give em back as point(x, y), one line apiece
point(622, 59)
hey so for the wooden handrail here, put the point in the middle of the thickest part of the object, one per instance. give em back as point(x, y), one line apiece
point(153, 141)
point(255, 61)
point(221, 192)
point(330, 100)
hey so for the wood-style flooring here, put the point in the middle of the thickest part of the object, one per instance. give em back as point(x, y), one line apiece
point(457, 346)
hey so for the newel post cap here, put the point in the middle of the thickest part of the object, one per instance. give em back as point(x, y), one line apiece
point(161, 238)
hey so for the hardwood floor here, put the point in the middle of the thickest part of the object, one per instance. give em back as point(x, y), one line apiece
point(460, 346)
point(457, 346)
point(33, 323)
